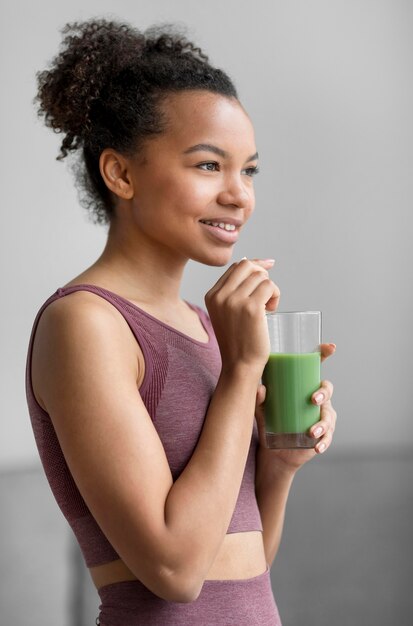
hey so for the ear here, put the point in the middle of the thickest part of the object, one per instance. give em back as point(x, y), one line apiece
point(114, 169)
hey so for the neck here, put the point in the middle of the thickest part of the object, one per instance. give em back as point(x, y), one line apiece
point(139, 267)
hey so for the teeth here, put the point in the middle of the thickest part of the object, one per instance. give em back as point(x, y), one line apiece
point(228, 227)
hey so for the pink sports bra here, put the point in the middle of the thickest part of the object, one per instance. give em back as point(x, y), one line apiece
point(180, 377)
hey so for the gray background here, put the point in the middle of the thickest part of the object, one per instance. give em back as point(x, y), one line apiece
point(328, 85)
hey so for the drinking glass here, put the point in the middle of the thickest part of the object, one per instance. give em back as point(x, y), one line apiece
point(291, 376)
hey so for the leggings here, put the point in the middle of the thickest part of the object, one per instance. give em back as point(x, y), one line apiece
point(244, 602)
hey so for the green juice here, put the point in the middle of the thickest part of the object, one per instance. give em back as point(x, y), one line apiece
point(290, 380)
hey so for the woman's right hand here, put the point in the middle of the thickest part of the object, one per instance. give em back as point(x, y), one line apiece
point(236, 305)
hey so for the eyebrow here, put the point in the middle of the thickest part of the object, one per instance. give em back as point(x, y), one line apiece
point(207, 147)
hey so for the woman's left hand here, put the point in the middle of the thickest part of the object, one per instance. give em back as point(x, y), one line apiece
point(293, 459)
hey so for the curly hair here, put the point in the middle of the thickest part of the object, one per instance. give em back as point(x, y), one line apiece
point(105, 87)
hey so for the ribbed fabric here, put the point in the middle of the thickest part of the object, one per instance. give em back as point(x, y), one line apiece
point(248, 602)
point(180, 377)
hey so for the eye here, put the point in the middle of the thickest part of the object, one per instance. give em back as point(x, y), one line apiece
point(252, 170)
point(213, 163)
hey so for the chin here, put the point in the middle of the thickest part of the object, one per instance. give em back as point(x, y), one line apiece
point(217, 259)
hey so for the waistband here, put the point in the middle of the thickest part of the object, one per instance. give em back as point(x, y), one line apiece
point(237, 602)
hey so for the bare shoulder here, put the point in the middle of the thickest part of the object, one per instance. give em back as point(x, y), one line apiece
point(78, 323)
point(79, 304)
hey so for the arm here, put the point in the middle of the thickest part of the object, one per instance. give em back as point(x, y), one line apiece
point(272, 487)
point(167, 533)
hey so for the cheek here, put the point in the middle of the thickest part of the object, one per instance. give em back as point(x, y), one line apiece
point(188, 197)
point(179, 186)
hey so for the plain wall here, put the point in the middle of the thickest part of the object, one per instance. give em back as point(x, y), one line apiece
point(328, 87)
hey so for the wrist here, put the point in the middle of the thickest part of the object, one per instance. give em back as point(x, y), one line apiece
point(242, 372)
point(270, 469)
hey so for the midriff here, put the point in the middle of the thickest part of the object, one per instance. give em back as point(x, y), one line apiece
point(240, 556)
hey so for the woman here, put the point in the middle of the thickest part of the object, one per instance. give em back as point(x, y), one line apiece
point(144, 406)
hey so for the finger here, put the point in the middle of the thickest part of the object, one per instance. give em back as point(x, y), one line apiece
point(324, 393)
point(261, 393)
point(267, 293)
point(266, 263)
point(248, 286)
point(327, 349)
point(232, 279)
point(327, 423)
point(272, 303)
point(322, 445)
point(328, 432)
point(263, 264)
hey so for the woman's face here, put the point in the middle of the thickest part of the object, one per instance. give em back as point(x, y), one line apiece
point(200, 170)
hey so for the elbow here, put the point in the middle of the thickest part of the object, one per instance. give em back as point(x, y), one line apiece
point(176, 588)
point(180, 573)
point(172, 573)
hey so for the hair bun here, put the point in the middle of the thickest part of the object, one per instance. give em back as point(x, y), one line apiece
point(90, 54)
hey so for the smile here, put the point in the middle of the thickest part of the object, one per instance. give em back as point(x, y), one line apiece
point(220, 231)
point(221, 225)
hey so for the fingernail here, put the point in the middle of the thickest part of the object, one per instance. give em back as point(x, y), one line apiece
point(333, 345)
point(244, 258)
point(321, 447)
point(319, 398)
point(318, 431)
point(272, 261)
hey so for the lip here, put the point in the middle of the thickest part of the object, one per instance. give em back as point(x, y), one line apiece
point(225, 236)
point(225, 220)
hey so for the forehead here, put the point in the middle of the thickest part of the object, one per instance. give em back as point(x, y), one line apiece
point(204, 117)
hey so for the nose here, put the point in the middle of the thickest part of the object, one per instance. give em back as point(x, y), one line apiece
point(235, 193)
